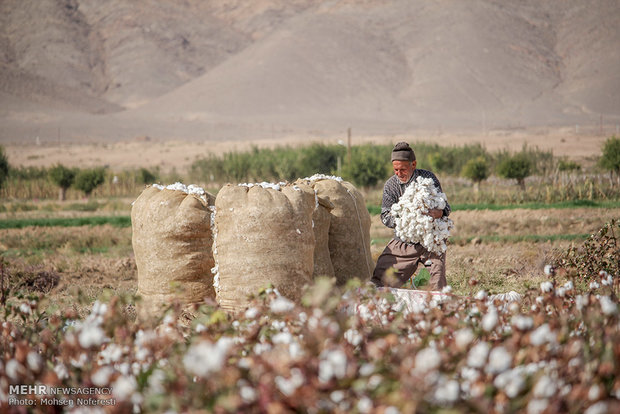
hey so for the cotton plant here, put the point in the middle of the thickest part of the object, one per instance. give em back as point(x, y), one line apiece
point(414, 224)
point(278, 353)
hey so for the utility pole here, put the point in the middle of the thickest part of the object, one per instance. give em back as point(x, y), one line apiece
point(349, 146)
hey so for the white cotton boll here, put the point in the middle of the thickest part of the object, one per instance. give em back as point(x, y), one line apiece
point(595, 392)
point(281, 305)
point(511, 381)
point(489, 321)
point(25, 309)
point(248, 394)
point(470, 374)
point(333, 363)
point(353, 337)
point(251, 313)
point(364, 405)
point(537, 406)
point(608, 306)
point(447, 392)
point(289, 385)
point(319, 177)
point(477, 356)
point(367, 369)
point(60, 370)
point(266, 185)
point(34, 361)
point(101, 377)
point(427, 360)
point(282, 338)
point(598, 408)
point(190, 189)
point(545, 387)
point(542, 335)
point(205, 358)
point(463, 337)
point(295, 350)
point(606, 278)
point(523, 322)
point(91, 335)
point(337, 396)
point(124, 387)
point(14, 369)
point(481, 295)
point(546, 287)
point(499, 360)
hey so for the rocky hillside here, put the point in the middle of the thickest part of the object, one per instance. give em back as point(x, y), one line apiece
point(193, 69)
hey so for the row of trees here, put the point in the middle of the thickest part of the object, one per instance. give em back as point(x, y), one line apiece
point(368, 165)
point(365, 165)
point(84, 180)
point(42, 182)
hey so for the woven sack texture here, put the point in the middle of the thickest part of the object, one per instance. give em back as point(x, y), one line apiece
point(172, 242)
point(349, 231)
point(263, 237)
point(321, 222)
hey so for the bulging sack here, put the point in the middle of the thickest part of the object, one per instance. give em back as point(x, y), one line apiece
point(172, 243)
point(349, 231)
point(263, 237)
point(321, 222)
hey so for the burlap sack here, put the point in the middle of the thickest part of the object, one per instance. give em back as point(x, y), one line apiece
point(172, 243)
point(264, 237)
point(349, 232)
point(321, 222)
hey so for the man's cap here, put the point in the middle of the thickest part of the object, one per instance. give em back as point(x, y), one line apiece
point(402, 152)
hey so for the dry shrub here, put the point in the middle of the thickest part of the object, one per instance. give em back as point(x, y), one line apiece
point(600, 252)
point(32, 279)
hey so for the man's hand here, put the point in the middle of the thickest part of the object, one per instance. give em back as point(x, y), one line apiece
point(435, 213)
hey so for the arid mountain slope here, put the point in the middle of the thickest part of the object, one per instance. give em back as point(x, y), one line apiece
point(230, 68)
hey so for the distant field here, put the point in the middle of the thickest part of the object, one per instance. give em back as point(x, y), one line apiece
point(117, 221)
point(487, 243)
point(125, 220)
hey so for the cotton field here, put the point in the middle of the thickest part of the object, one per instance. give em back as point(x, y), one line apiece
point(350, 349)
point(73, 339)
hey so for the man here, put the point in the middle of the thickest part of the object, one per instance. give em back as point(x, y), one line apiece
point(400, 260)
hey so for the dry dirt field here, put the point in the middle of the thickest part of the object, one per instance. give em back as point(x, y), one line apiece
point(92, 259)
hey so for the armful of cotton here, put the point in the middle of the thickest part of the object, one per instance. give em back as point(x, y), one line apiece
point(414, 224)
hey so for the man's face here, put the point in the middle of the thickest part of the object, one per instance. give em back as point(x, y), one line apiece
point(404, 169)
